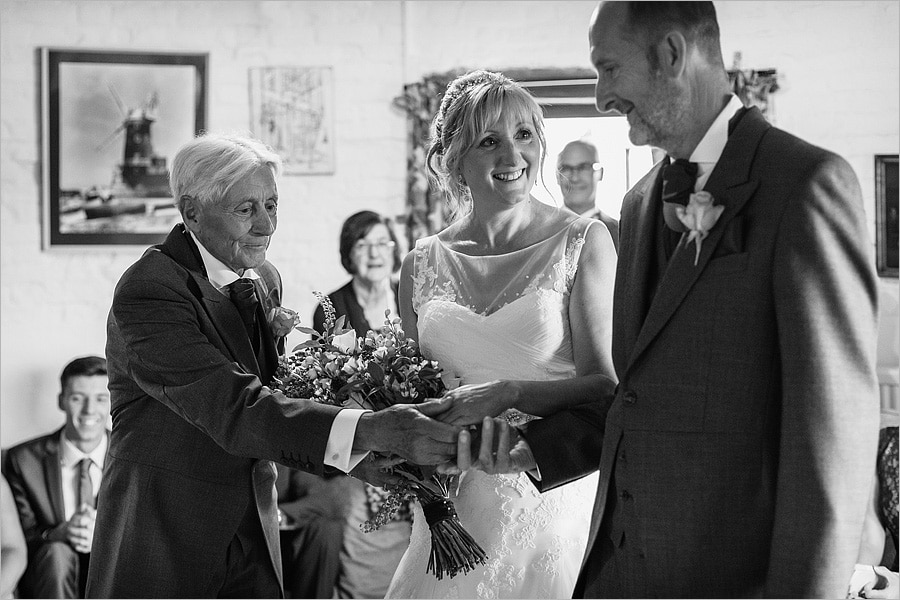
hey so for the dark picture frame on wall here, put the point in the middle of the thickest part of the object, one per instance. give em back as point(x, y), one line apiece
point(111, 123)
point(886, 199)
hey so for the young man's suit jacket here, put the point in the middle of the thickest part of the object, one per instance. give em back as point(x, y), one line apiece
point(194, 430)
point(35, 478)
point(741, 440)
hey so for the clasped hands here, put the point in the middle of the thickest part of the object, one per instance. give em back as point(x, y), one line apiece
point(78, 531)
point(457, 432)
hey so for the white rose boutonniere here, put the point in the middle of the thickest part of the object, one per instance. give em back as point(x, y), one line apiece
point(699, 216)
point(282, 321)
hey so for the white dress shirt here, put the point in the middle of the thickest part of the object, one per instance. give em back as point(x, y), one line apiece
point(339, 449)
point(69, 459)
point(709, 150)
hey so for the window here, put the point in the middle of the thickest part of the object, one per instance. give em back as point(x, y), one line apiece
point(568, 103)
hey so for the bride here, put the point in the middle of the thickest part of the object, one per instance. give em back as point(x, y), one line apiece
point(514, 300)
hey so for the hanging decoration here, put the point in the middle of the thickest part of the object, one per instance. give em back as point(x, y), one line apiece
point(753, 87)
point(426, 211)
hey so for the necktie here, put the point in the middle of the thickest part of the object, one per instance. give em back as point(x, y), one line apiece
point(679, 178)
point(85, 485)
point(243, 295)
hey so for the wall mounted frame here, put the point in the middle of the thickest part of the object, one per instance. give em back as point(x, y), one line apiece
point(111, 124)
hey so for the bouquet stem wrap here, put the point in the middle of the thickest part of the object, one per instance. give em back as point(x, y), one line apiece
point(453, 549)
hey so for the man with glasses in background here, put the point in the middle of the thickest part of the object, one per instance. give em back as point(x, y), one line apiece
point(578, 172)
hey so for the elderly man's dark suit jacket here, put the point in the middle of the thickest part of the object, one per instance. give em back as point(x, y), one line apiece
point(741, 440)
point(194, 431)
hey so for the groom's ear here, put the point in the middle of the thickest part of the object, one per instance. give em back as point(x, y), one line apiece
point(671, 52)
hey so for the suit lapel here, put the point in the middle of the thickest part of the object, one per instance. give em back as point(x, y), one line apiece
point(634, 276)
point(268, 300)
point(731, 186)
point(222, 312)
point(53, 473)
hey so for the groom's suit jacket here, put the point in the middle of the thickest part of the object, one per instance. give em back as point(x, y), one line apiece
point(737, 453)
point(194, 431)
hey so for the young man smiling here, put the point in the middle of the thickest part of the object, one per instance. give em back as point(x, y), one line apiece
point(54, 480)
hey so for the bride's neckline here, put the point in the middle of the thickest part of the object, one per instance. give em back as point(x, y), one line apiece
point(447, 247)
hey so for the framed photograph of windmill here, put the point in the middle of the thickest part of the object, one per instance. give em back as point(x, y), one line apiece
point(111, 124)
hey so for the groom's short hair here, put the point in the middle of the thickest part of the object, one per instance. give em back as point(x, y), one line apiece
point(695, 20)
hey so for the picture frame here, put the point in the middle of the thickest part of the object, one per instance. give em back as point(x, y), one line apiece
point(111, 123)
point(292, 111)
point(886, 214)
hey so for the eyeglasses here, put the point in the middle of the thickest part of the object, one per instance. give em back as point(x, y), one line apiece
point(581, 169)
point(362, 246)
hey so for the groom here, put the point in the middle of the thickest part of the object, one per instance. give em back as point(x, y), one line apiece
point(737, 453)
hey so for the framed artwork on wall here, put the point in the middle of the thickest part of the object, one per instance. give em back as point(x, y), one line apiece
point(291, 110)
point(111, 124)
point(886, 198)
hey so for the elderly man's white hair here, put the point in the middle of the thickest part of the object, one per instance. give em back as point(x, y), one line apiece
point(206, 167)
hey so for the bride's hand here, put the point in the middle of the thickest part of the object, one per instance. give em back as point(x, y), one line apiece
point(502, 452)
point(469, 404)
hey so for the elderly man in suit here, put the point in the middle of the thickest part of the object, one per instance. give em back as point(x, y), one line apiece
point(578, 171)
point(737, 453)
point(54, 479)
point(188, 507)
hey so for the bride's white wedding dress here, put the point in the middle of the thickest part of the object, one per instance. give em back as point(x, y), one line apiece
point(502, 317)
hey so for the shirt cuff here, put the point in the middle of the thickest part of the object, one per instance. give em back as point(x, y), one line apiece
point(339, 449)
point(535, 472)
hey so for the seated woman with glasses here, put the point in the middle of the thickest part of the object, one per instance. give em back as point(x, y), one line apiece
point(366, 561)
point(370, 254)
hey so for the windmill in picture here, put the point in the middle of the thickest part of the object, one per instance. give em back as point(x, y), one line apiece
point(142, 173)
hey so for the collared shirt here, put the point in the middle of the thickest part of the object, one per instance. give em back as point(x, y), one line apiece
point(339, 449)
point(220, 274)
point(709, 150)
point(69, 458)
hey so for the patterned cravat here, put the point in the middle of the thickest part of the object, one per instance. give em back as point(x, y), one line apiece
point(85, 485)
point(243, 295)
point(678, 180)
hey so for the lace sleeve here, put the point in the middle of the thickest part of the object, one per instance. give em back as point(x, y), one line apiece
point(577, 236)
point(424, 274)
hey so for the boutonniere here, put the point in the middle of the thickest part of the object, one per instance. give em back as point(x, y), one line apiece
point(699, 216)
point(282, 321)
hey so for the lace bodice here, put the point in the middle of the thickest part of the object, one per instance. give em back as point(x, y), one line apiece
point(502, 317)
point(498, 317)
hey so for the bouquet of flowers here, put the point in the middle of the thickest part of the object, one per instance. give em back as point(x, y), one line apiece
point(374, 372)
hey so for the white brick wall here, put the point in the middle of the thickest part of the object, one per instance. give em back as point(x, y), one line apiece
point(837, 61)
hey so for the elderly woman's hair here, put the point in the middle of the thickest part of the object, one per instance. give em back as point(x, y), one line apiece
point(472, 103)
point(356, 227)
point(206, 167)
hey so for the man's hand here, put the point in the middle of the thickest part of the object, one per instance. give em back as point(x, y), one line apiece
point(405, 430)
point(500, 449)
point(80, 529)
point(377, 471)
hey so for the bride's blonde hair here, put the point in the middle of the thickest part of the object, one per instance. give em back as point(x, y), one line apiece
point(472, 103)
